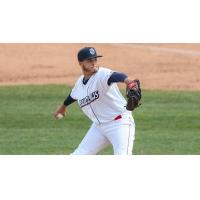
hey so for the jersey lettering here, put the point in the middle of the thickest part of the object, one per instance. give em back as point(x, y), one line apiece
point(89, 99)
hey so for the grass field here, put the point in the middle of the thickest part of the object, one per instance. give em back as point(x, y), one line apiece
point(166, 123)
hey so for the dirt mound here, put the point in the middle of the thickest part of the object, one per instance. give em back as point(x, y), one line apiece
point(158, 66)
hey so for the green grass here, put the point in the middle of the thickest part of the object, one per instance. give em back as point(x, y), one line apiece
point(166, 123)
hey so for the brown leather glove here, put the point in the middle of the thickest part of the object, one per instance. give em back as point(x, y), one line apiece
point(133, 94)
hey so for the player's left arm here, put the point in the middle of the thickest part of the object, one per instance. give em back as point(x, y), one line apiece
point(133, 90)
point(118, 77)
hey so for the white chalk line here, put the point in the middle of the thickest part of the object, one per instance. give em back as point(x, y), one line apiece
point(159, 49)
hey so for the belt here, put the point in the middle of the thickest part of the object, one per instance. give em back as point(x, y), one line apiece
point(118, 117)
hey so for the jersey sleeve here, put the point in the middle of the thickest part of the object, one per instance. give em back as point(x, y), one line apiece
point(117, 77)
point(104, 76)
point(69, 100)
point(74, 91)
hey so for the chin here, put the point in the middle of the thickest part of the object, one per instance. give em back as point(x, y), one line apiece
point(91, 71)
point(96, 69)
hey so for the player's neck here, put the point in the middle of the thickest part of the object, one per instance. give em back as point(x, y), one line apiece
point(87, 76)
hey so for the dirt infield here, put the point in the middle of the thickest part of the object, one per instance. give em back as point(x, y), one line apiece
point(158, 66)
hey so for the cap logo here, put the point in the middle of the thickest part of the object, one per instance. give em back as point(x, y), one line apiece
point(92, 51)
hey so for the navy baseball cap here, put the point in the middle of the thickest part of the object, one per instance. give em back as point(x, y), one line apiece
point(87, 53)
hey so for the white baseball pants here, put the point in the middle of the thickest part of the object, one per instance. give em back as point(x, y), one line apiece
point(120, 133)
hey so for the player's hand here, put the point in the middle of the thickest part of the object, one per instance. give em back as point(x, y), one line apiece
point(130, 83)
point(60, 112)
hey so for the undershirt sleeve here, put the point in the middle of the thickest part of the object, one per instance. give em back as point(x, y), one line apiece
point(116, 77)
point(69, 100)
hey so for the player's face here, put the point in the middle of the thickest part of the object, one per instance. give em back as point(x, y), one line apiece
point(89, 66)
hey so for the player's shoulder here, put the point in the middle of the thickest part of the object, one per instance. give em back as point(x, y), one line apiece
point(79, 80)
point(104, 71)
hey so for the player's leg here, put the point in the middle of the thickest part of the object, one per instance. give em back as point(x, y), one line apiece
point(123, 140)
point(92, 143)
point(122, 136)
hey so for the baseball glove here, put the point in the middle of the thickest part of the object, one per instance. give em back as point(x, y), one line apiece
point(134, 95)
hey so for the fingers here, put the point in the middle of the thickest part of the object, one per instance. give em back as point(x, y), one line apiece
point(60, 112)
point(132, 84)
point(59, 116)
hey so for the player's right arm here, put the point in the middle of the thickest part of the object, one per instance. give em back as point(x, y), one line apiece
point(61, 111)
point(71, 98)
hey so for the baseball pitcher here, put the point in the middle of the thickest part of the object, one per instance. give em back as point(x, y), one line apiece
point(98, 95)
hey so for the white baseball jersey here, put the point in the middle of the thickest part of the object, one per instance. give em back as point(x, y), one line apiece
point(99, 101)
